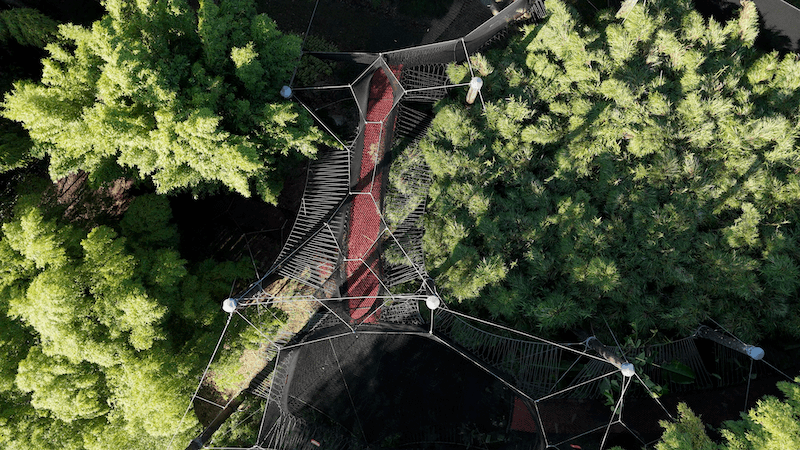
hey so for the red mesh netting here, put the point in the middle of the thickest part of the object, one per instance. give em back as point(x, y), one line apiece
point(365, 223)
point(522, 420)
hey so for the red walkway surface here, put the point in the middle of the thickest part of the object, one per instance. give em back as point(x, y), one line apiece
point(365, 223)
point(522, 420)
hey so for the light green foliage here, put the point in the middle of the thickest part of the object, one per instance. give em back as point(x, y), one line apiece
point(35, 239)
point(188, 98)
point(70, 391)
point(22, 427)
point(121, 302)
point(404, 195)
point(643, 168)
point(26, 26)
point(772, 424)
point(155, 410)
point(101, 331)
point(688, 433)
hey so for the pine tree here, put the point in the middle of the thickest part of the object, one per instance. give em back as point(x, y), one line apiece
point(642, 167)
point(771, 425)
point(186, 98)
point(26, 26)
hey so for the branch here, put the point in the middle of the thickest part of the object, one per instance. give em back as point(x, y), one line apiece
point(17, 3)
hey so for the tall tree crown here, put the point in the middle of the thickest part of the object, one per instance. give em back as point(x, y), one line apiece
point(187, 98)
point(641, 167)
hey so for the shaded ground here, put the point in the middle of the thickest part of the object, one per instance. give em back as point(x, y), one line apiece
point(230, 227)
point(394, 390)
point(96, 206)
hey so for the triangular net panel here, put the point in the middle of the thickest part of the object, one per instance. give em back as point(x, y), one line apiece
point(380, 338)
point(340, 232)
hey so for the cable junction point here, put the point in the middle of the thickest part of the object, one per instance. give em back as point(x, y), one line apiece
point(230, 305)
point(627, 369)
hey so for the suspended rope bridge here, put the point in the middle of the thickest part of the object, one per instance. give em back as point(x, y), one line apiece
point(379, 321)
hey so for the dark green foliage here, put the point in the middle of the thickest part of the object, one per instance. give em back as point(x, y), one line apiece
point(20, 28)
point(15, 146)
point(643, 169)
point(313, 69)
point(241, 429)
point(188, 98)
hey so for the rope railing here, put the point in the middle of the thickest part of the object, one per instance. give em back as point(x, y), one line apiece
point(316, 253)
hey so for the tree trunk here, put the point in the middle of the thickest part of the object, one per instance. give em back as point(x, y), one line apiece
point(222, 416)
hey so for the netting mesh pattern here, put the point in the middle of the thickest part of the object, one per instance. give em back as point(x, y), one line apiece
point(313, 249)
point(363, 256)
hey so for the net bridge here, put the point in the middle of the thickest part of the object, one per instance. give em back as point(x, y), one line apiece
point(384, 360)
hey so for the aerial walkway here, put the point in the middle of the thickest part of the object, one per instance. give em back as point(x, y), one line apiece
point(372, 309)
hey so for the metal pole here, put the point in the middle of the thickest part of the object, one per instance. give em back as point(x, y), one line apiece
point(475, 85)
point(756, 353)
point(609, 355)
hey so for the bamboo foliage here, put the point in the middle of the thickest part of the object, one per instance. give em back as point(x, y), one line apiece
point(96, 326)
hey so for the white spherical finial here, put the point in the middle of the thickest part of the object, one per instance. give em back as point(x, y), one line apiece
point(286, 92)
point(432, 302)
point(756, 353)
point(229, 305)
point(627, 370)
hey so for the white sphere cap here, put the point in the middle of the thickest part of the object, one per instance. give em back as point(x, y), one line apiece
point(755, 352)
point(627, 370)
point(432, 302)
point(475, 83)
point(229, 305)
point(286, 92)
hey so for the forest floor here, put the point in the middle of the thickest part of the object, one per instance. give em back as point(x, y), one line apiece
point(394, 390)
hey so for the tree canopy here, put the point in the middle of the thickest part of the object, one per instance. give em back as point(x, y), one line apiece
point(27, 28)
point(186, 97)
point(103, 327)
point(772, 424)
point(643, 168)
